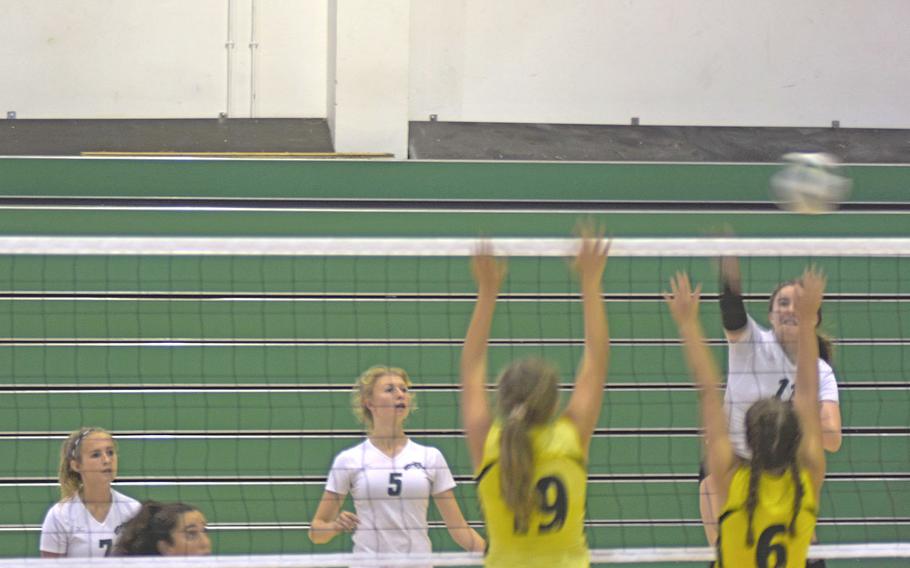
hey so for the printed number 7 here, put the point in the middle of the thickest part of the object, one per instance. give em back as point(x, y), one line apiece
point(783, 385)
point(106, 544)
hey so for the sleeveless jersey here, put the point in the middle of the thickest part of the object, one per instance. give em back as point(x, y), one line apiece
point(555, 538)
point(773, 546)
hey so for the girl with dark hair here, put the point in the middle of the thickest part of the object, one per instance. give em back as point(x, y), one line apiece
point(762, 365)
point(530, 461)
point(769, 502)
point(84, 523)
point(165, 529)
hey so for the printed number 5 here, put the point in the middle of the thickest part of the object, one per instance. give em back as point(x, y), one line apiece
point(394, 484)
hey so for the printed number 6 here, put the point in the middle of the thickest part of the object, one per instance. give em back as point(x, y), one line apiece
point(765, 549)
point(394, 484)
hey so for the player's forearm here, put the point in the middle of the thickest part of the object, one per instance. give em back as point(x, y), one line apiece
point(467, 538)
point(597, 334)
point(707, 377)
point(805, 396)
point(322, 532)
point(831, 426)
point(474, 352)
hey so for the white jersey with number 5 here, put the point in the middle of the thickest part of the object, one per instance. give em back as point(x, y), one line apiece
point(69, 528)
point(390, 494)
point(759, 369)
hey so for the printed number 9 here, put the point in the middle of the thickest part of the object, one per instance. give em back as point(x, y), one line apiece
point(552, 500)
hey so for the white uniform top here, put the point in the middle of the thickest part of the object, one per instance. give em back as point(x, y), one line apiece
point(71, 530)
point(758, 369)
point(390, 494)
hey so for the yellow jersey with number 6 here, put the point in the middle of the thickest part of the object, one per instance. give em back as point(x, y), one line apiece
point(555, 538)
point(773, 546)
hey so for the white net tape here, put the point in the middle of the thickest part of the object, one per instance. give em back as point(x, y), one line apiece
point(626, 247)
point(601, 556)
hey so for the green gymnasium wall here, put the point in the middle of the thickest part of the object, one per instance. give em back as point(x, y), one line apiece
point(252, 440)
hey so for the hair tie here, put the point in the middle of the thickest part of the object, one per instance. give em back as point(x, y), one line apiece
point(518, 413)
point(73, 449)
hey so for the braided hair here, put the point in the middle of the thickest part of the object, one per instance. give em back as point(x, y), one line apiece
point(773, 434)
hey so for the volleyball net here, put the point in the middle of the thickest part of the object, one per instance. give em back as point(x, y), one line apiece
point(224, 368)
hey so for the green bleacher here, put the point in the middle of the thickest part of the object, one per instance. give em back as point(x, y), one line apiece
point(149, 348)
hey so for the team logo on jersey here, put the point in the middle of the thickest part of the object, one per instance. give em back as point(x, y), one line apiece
point(414, 465)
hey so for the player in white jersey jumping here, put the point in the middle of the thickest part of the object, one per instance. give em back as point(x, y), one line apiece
point(86, 521)
point(762, 365)
point(390, 477)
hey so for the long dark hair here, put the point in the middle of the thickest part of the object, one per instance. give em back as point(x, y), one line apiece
point(825, 346)
point(773, 434)
point(154, 522)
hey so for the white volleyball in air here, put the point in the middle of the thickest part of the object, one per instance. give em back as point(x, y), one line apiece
point(810, 183)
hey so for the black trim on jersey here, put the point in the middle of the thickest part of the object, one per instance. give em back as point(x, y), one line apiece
point(484, 471)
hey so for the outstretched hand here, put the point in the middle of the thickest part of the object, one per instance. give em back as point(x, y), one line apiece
point(591, 258)
point(809, 294)
point(488, 270)
point(682, 300)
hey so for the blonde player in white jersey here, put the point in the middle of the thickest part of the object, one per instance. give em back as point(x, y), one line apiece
point(390, 478)
point(762, 365)
point(86, 521)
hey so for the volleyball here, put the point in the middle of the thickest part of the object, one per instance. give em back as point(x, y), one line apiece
point(810, 183)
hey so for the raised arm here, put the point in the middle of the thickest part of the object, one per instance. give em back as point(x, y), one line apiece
point(684, 303)
point(805, 397)
point(732, 308)
point(475, 411)
point(587, 395)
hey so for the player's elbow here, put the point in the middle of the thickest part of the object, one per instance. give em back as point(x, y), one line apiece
point(831, 441)
point(318, 536)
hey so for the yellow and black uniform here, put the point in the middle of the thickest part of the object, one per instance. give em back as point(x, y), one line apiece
point(773, 546)
point(555, 538)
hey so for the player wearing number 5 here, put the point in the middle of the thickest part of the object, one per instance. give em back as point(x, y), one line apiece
point(770, 503)
point(390, 477)
point(531, 461)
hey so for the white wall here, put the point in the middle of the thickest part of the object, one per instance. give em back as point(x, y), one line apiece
point(717, 62)
point(371, 76)
point(162, 58)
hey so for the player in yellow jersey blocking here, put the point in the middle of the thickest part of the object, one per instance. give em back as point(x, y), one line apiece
point(771, 502)
point(529, 460)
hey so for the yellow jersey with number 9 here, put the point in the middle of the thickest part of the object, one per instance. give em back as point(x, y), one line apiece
point(773, 546)
point(555, 538)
